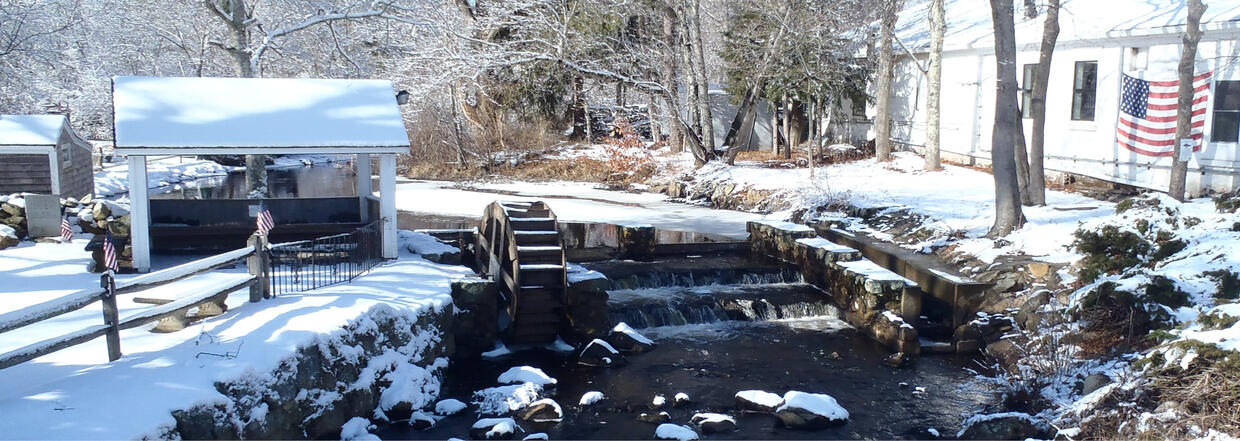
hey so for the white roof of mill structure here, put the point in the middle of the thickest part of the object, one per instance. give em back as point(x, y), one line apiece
point(30, 130)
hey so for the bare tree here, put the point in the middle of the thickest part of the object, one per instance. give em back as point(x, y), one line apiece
point(671, 99)
point(886, 74)
point(1008, 214)
point(1184, 115)
point(699, 48)
point(1037, 107)
point(938, 27)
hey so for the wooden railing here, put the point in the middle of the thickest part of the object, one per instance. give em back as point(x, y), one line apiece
point(212, 295)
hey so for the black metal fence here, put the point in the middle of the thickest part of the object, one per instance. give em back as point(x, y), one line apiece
point(309, 264)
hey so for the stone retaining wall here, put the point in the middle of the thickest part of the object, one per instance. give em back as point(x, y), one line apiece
point(872, 298)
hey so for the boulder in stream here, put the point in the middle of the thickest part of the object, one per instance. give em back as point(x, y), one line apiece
point(526, 374)
point(714, 422)
point(1007, 425)
point(676, 432)
point(545, 410)
point(450, 406)
point(680, 399)
point(758, 401)
point(422, 421)
point(624, 338)
point(599, 353)
point(590, 397)
point(654, 418)
point(806, 411)
point(494, 428)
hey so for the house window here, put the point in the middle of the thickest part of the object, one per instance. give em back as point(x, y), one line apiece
point(1084, 89)
point(1226, 112)
point(1026, 89)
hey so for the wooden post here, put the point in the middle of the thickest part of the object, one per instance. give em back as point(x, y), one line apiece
point(111, 316)
point(259, 267)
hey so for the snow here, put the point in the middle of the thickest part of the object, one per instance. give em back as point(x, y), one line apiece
point(559, 413)
point(422, 243)
point(673, 431)
point(590, 397)
point(8, 231)
point(30, 130)
point(538, 435)
point(357, 429)
point(680, 397)
point(602, 343)
point(658, 401)
point(823, 244)
point(577, 273)
point(450, 406)
point(573, 202)
point(786, 226)
point(818, 404)
point(935, 432)
point(503, 399)
point(526, 374)
point(625, 329)
point(982, 417)
point(763, 398)
point(255, 112)
point(499, 351)
point(872, 271)
point(76, 393)
point(699, 418)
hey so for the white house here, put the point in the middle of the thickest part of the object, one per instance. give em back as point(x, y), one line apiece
point(1100, 43)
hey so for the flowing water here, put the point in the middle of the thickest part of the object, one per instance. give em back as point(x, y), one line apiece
point(760, 329)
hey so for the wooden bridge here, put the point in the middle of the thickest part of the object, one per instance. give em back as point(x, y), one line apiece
point(519, 247)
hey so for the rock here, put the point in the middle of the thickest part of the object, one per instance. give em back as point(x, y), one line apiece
point(599, 353)
point(538, 435)
point(758, 401)
point(658, 401)
point(896, 360)
point(1029, 316)
point(590, 397)
point(1011, 425)
point(357, 429)
point(8, 237)
point(676, 432)
point(654, 418)
point(526, 374)
point(450, 406)
point(626, 339)
point(1094, 382)
point(806, 411)
point(475, 323)
point(494, 428)
point(714, 422)
point(680, 399)
point(422, 421)
point(545, 410)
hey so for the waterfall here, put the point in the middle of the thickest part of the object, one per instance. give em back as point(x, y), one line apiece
point(648, 308)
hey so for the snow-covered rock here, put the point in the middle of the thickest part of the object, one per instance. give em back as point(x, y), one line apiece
point(428, 247)
point(358, 429)
point(421, 420)
point(758, 401)
point(545, 410)
point(803, 410)
point(538, 435)
point(450, 406)
point(494, 428)
point(500, 400)
point(599, 353)
point(673, 431)
point(1006, 425)
point(658, 401)
point(624, 338)
point(714, 422)
point(590, 397)
point(680, 399)
point(8, 237)
point(526, 374)
point(654, 418)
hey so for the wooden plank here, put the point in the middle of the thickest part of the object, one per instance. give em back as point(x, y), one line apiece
point(39, 349)
point(46, 310)
point(182, 271)
point(184, 304)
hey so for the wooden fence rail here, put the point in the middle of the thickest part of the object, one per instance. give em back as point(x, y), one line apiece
point(214, 293)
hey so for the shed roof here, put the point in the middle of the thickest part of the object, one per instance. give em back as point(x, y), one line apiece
point(156, 115)
point(30, 130)
point(1091, 21)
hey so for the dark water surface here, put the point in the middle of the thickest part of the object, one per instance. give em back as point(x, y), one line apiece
point(712, 361)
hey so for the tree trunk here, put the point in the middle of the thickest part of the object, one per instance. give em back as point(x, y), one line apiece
point(655, 134)
point(787, 127)
point(1008, 215)
point(704, 112)
point(671, 92)
point(774, 133)
point(938, 27)
point(456, 129)
point(886, 73)
point(742, 126)
point(1184, 117)
point(1022, 160)
point(1037, 107)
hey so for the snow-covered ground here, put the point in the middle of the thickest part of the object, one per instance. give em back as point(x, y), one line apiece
point(76, 394)
point(573, 201)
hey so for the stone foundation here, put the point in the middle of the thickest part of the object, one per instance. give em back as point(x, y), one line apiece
point(873, 299)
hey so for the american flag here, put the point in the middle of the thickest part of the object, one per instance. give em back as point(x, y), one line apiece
point(109, 254)
point(66, 232)
point(1148, 113)
point(265, 223)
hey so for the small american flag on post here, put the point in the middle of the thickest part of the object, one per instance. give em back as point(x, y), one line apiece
point(66, 231)
point(1148, 114)
point(265, 223)
point(109, 254)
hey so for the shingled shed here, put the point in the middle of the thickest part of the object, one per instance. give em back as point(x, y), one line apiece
point(42, 154)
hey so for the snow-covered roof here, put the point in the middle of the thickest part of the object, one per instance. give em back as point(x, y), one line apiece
point(256, 115)
point(30, 130)
point(1092, 22)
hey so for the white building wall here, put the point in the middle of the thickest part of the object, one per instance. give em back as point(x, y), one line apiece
point(1081, 147)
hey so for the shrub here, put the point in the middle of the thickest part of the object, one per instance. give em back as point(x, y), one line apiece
point(1108, 250)
point(1228, 284)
